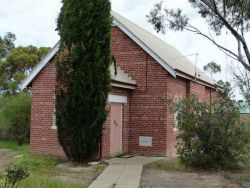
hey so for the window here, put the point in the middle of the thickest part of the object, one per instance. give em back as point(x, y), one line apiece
point(176, 99)
point(54, 114)
point(176, 122)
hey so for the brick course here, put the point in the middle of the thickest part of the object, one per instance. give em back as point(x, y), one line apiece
point(145, 114)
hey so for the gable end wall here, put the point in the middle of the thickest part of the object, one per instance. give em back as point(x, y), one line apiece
point(145, 114)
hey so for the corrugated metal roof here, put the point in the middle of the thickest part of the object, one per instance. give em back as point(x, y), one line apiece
point(165, 54)
point(169, 54)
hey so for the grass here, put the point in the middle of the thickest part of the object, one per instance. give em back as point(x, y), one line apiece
point(43, 171)
point(168, 165)
point(12, 145)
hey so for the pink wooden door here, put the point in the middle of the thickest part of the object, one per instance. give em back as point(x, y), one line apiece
point(116, 128)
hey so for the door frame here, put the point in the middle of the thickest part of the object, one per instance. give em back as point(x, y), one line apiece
point(119, 100)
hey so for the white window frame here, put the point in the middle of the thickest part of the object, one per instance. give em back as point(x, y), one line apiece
point(176, 99)
point(117, 99)
point(54, 114)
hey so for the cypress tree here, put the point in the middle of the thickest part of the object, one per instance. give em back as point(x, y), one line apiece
point(83, 76)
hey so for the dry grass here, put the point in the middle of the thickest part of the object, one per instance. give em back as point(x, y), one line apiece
point(168, 165)
point(46, 173)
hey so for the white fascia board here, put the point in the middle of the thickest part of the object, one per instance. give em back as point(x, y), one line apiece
point(144, 47)
point(122, 86)
point(40, 66)
point(117, 99)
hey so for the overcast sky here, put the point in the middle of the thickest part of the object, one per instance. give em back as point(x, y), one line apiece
point(34, 22)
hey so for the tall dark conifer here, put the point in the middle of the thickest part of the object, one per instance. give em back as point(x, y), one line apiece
point(83, 76)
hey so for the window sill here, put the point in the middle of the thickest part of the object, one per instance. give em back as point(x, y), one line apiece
point(176, 130)
point(54, 127)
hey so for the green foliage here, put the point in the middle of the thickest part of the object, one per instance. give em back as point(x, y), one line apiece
point(15, 174)
point(216, 13)
point(6, 45)
point(246, 121)
point(211, 135)
point(16, 63)
point(212, 68)
point(242, 80)
point(83, 76)
point(15, 117)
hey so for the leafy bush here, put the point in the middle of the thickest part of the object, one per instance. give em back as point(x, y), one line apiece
point(211, 135)
point(15, 117)
point(247, 132)
point(15, 174)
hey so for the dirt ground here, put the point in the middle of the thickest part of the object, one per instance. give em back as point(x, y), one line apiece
point(170, 173)
point(78, 175)
point(66, 172)
point(5, 158)
point(153, 178)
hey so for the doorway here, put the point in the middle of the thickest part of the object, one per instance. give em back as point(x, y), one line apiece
point(116, 128)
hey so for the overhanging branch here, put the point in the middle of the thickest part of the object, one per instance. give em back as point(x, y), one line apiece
point(211, 4)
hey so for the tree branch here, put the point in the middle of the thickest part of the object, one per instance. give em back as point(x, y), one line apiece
point(225, 50)
point(231, 29)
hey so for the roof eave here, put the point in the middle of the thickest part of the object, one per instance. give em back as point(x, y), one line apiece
point(40, 66)
point(191, 77)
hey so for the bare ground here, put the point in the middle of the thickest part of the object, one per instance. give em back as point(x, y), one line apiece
point(152, 178)
point(169, 173)
point(78, 174)
point(5, 158)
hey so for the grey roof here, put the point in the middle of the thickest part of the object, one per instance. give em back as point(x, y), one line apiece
point(166, 55)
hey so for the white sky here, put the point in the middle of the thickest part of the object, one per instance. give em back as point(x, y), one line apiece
point(34, 22)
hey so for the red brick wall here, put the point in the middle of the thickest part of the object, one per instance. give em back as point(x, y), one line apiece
point(198, 90)
point(147, 110)
point(145, 114)
point(43, 139)
point(176, 88)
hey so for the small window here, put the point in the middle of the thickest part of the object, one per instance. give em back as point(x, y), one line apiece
point(176, 99)
point(54, 121)
point(54, 114)
point(176, 122)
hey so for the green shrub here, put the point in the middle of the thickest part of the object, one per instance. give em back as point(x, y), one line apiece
point(211, 135)
point(247, 132)
point(15, 117)
point(15, 174)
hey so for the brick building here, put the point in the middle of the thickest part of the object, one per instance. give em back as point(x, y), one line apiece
point(149, 70)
